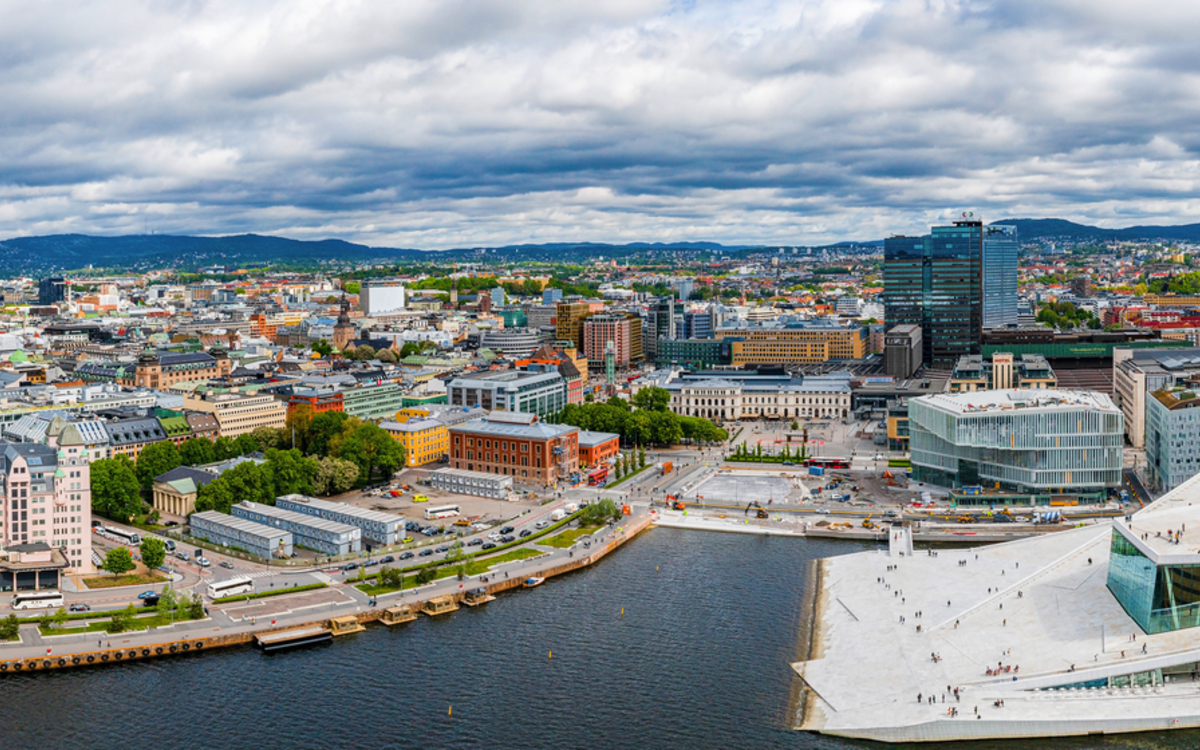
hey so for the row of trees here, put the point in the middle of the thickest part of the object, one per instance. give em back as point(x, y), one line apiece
point(325, 454)
point(630, 463)
point(645, 421)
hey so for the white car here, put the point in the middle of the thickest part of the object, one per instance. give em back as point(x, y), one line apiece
point(203, 562)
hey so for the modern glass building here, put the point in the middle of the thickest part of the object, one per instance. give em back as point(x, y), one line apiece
point(1172, 436)
point(1026, 443)
point(1000, 249)
point(1154, 571)
point(936, 282)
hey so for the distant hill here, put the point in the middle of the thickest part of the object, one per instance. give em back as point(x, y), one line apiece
point(145, 252)
point(1046, 229)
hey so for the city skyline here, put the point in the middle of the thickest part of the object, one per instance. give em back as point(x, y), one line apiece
point(448, 125)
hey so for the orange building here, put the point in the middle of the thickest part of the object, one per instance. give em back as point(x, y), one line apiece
point(597, 447)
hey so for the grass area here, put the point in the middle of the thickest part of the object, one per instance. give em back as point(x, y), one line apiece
point(149, 618)
point(737, 435)
point(568, 537)
point(129, 579)
point(270, 592)
point(627, 477)
point(474, 567)
point(900, 463)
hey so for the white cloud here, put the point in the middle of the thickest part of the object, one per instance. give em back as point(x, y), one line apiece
point(460, 122)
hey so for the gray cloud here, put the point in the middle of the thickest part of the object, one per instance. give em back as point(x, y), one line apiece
point(463, 122)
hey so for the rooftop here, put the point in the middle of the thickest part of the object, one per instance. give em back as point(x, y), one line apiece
point(1011, 399)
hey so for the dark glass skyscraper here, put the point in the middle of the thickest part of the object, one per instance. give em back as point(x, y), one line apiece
point(936, 282)
point(1000, 248)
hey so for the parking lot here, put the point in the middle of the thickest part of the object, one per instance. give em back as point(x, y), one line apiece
point(744, 487)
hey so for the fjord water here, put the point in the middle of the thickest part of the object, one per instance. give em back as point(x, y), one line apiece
point(698, 660)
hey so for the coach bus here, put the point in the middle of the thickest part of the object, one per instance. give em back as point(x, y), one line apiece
point(441, 511)
point(121, 535)
point(38, 600)
point(235, 586)
point(828, 463)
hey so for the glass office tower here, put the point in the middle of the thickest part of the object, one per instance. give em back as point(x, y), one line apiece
point(936, 282)
point(1000, 247)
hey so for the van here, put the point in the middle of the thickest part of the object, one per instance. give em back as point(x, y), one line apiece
point(541, 524)
point(558, 515)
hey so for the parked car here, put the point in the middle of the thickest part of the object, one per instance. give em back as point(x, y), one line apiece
point(407, 539)
point(350, 566)
point(203, 562)
point(169, 524)
point(524, 533)
point(226, 564)
point(147, 594)
point(406, 555)
point(387, 559)
point(79, 607)
point(412, 526)
point(420, 498)
point(506, 530)
point(474, 542)
point(488, 545)
point(370, 563)
point(426, 552)
point(183, 556)
point(443, 548)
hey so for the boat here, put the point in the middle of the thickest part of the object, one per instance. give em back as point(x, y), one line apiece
point(533, 581)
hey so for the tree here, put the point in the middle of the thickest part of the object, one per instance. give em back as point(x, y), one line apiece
point(322, 347)
point(427, 574)
point(269, 437)
point(334, 476)
point(665, 428)
point(351, 287)
point(10, 628)
point(387, 356)
point(196, 451)
point(122, 620)
point(409, 349)
point(652, 399)
point(641, 457)
point(600, 512)
point(246, 444)
point(365, 352)
point(250, 481)
point(153, 552)
point(371, 447)
point(194, 606)
point(392, 578)
point(155, 459)
point(215, 495)
point(224, 448)
point(118, 561)
point(322, 431)
point(54, 620)
point(639, 427)
point(166, 601)
point(291, 471)
point(115, 488)
point(299, 420)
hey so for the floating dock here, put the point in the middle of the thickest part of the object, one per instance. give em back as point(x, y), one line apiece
point(294, 638)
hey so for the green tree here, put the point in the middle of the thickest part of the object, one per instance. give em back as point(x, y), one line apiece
point(392, 578)
point(215, 495)
point(599, 512)
point(122, 620)
point(641, 457)
point(409, 349)
point(291, 471)
point(365, 352)
point(246, 444)
point(334, 476)
point(322, 431)
point(387, 356)
point(155, 459)
point(427, 574)
point(371, 447)
point(269, 437)
point(196, 451)
point(351, 287)
point(166, 601)
point(153, 552)
point(322, 347)
point(53, 620)
point(115, 488)
point(194, 606)
point(639, 428)
point(652, 399)
point(665, 428)
point(118, 561)
point(224, 448)
point(10, 628)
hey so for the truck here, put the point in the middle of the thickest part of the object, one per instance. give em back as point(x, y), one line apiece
point(558, 515)
point(571, 507)
point(666, 467)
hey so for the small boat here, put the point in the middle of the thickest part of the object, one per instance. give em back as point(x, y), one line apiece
point(533, 581)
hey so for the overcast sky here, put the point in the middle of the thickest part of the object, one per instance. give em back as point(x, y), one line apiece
point(448, 123)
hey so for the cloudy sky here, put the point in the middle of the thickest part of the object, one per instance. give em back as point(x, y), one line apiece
point(449, 123)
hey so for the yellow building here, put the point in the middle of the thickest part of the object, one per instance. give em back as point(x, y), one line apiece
point(424, 440)
point(806, 342)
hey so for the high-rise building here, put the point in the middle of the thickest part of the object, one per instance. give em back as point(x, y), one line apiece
point(660, 324)
point(935, 282)
point(551, 296)
point(1000, 249)
point(569, 319)
point(52, 290)
point(379, 297)
point(602, 328)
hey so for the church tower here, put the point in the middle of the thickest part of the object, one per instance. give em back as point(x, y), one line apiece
point(343, 331)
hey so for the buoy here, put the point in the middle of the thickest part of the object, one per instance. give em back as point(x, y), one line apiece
point(551, 654)
point(622, 611)
point(655, 568)
point(450, 711)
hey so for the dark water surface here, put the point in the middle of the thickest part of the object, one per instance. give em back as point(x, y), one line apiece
point(699, 660)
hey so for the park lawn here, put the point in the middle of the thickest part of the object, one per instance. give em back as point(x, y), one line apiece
point(474, 568)
point(130, 579)
point(568, 537)
point(143, 620)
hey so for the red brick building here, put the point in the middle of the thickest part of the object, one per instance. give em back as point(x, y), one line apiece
point(516, 444)
point(597, 447)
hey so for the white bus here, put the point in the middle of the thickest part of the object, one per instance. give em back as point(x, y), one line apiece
point(38, 600)
point(235, 586)
point(123, 536)
point(441, 511)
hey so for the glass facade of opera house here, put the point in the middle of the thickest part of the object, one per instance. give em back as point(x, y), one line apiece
point(1159, 598)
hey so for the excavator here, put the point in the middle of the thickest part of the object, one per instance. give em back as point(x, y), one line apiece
point(675, 503)
point(761, 513)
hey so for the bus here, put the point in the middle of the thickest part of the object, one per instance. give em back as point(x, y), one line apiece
point(441, 511)
point(123, 536)
point(598, 476)
point(231, 587)
point(828, 463)
point(38, 600)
